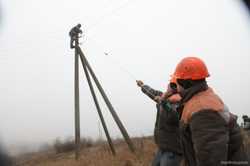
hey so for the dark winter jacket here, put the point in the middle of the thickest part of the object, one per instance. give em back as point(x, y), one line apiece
point(75, 31)
point(166, 132)
point(210, 135)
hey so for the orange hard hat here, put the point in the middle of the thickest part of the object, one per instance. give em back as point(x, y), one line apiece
point(191, 68)
point(173, 79)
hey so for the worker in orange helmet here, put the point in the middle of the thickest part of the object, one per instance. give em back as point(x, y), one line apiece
point(210, 135)
point(166, 131)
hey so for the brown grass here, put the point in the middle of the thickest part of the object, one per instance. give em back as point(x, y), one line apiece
point(96, 156)
point(68, 145)
point(100, 155)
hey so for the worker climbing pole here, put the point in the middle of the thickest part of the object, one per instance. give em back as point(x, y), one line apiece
point(74, 44)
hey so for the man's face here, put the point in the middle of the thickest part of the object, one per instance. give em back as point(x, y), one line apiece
point(179, 88)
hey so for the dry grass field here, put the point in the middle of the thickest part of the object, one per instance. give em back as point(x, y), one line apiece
point(98, 154)
point(95, 156)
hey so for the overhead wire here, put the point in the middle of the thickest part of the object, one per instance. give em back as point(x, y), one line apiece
point(114, 60)
point(103, 17)
point(96, 23)
point(106, 53)
point(118, 64)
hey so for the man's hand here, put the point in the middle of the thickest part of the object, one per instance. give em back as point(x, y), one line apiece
point(158, 99)
point(172, 98)
point(139, 83)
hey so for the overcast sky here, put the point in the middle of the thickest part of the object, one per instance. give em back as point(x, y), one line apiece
point(146, 38)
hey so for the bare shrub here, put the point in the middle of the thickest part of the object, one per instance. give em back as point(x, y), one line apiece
point(68, 145)
point(87, 142)
point(63, 146)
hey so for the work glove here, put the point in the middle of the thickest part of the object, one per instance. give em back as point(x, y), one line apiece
point(139, 83)
point(158, 99)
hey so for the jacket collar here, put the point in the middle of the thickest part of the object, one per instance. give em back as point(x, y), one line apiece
point(187, 94)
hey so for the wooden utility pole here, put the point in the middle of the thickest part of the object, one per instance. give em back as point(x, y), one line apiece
point(74, 34)
point(98, 108)
point(108, 103)
point(77, 105)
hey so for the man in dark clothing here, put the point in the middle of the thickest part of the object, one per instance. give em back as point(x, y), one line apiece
point(5, 160)
point(210, 135)
point(166, 131)
point(74, 34)
point(246, 124)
